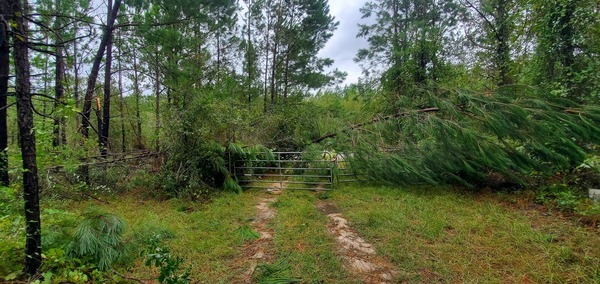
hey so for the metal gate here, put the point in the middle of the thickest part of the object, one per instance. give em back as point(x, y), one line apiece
point(289, 169)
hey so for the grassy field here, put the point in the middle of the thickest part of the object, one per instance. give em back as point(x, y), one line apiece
point(428, 234)
point(208, 235)
point(437, 235)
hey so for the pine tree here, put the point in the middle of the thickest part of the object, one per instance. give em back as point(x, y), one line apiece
point(4, 73)
point(27, 139)
point(406, 41)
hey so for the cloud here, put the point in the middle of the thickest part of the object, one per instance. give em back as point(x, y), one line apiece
point(343, 45)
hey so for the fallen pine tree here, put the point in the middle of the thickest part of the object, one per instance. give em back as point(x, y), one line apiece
point(459, 136)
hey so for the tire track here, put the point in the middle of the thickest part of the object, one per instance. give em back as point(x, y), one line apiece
point(359, 256)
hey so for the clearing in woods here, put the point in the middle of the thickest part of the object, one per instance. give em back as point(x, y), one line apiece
point(362, 234)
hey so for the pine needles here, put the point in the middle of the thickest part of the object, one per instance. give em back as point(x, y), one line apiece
point(510, 132)
point(99, 239)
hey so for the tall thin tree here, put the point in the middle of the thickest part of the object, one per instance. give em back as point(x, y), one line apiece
point(58, 85)
point(121, 101)
point(33, 242)
point(4, 72)
point(91, 83)
point(157, 111)
point(104, 130)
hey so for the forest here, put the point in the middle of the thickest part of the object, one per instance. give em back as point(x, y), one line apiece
point(169, 141)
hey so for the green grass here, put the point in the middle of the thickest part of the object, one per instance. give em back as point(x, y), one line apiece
point(305, 249)
point(429, 234)
point(209, 236)
point(433, 234)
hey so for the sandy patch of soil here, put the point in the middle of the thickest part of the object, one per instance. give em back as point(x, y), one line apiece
point(359, 256)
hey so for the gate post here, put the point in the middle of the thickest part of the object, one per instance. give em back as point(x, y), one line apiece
point(280, 172)
point(331, 173)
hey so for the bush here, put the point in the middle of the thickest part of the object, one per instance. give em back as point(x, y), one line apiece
point(568, 199)
point(168, 264)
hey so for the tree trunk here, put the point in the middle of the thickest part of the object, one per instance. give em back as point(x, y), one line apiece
point(567, 47)
point(4, 71)
point(76, 74)
point(267, 50)
point(502, 43)
point(107, 80)
point(33, 242)
point(91, 83)
point(218, 55)
point(248, 60)
point(273, 73)
point(275, 57)
point(157, 94)
point(45, 79)
point(122, 101)
point(58, 84)
point(58, 94)
point(137, 95)
point(286, 77)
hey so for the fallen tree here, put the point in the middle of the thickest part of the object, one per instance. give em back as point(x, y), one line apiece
point(465, 137)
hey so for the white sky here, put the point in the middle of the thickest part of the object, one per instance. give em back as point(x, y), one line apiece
point(343, 45)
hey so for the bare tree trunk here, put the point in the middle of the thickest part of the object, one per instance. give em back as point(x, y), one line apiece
point(76, 74)
point(267, 50)
point(33, 241)
point(288, 51)
point(58, 94)
point(4, 70)
point(122, 101)
point(286, 77)
point(45, 79)
point(273, 73)
point(218, 55)
point(107, 80)
point(58, 83)
point(248, 61)
point(157, 94)
point(136, 87)
point(502, 43)
point(91, 83)
point(275, 57)
point(567, 47)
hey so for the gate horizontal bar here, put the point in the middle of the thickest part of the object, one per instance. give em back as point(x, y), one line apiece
point(287, 161)
point(285, 181)
point(275, 187)
point(259, 186)
point(308, 182)
point(278, 168)
point(276, 175)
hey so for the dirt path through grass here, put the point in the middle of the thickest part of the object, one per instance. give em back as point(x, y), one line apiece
point(359, 256)
point(261, 249)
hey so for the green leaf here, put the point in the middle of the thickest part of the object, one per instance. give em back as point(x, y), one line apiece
point(12, 276)
point(48, 277)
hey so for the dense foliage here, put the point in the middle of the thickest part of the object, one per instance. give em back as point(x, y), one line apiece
point(470, 92)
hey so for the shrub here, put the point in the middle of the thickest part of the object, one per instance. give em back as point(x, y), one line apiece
point(168, 264)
